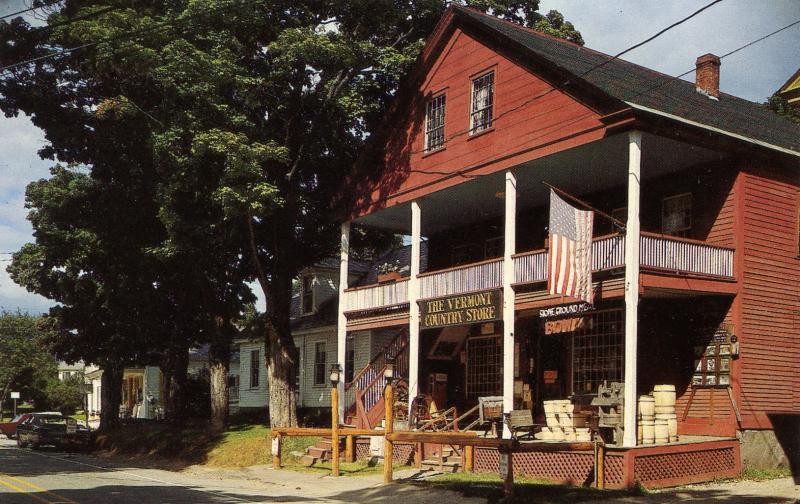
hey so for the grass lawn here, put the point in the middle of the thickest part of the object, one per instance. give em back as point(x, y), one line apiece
point(490, 487)
point(249, 444)
point(765, 474)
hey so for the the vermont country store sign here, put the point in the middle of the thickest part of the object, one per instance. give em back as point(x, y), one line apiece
point(472, 308)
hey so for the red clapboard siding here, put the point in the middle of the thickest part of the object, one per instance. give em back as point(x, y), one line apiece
point(722, 230)
point(769, 367)
point(521, 123)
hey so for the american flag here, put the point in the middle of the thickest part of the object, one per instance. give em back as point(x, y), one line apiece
point(570, 259)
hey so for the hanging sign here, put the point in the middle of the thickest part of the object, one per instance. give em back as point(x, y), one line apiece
point(14, 395)
point(72, 426)
point(471, 308)
point(564, 310)
point(276, 446)
point(504, 464)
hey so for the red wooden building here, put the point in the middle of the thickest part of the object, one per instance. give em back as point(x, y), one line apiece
point(700, 289)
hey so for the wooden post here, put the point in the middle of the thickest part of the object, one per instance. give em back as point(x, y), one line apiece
point(599, 465)
point(508, 295)
point(388, 397)
point(413, 305)
point(418, 456)
point(341, 321)
point(276, 451)
point(469, 460)
point(349, 454)
point(632, 288)
point(507, 470)
point(335, 431)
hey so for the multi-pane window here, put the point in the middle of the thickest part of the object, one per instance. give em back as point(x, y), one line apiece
point(482, 112)
point(349, 360)
point(434, 124)
point(319, 363)
point(676, 214)
point(307, 296)
point(484, 367)
point(255, 363)
point(598, 351)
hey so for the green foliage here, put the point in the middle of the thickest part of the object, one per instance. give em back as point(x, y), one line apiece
point(26, 366)
point(66, 395)
point(780, 106)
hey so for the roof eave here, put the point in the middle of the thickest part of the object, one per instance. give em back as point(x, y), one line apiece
point(715, 130)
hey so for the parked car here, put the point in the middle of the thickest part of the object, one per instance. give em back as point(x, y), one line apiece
point(10, 428)
point(49, 429)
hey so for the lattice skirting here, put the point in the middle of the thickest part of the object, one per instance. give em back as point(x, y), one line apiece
point(573, 468)
point(666, 469)
point(653, 467)
point(403, 454)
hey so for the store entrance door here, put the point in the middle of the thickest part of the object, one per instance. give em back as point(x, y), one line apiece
point(553, 376)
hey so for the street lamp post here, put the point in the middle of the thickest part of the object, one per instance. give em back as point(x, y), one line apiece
point(87, 389)
point(336, 374)
point(388, 406)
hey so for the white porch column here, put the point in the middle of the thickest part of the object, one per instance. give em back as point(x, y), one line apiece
point(341, 324)
point(413, 306)
point(509, 248)
point(632, 285)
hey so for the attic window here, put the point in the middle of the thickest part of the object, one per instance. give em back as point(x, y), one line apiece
point(434, 124)
point(307, 295)
point(482, 103)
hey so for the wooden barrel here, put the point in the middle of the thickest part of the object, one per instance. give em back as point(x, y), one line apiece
point(647, 406)
point(648, 432)
point(661, 430)
point(664, 395)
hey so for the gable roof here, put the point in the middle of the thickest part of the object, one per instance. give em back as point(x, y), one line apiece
point(645, 89)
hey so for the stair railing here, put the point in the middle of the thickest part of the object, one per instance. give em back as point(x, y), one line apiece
point(361, 381)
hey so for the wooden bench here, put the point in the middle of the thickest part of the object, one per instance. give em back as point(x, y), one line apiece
point(520, 423)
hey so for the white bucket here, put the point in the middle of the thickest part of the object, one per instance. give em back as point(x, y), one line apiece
point(648, 432)
point(665, 410)
point(558, 434)
point(664, 395)
point(661, 431)
point(551, 419)
point(549, 407)
point(583, 435)
point(647, 406)
point(565, 419)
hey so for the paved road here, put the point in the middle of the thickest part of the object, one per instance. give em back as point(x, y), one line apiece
point(48, 476)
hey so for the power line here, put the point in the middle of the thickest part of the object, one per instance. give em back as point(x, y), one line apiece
point(591, 69)
point(568, 122)
point(651, 38)
point(23, 11)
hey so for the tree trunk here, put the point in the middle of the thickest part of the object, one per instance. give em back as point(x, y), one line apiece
point(110, 394)
point(219, 356)
point(281, 352)
point(175, 409)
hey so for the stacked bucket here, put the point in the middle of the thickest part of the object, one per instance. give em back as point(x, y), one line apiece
point(658, 423)
point(563, 422)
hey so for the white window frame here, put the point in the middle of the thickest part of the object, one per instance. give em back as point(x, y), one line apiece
point(677, 231)
point(435, 114)
point(486, 119)
point(317, 363)
point(255, 370)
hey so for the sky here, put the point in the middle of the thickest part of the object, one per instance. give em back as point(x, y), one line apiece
point(608, 26)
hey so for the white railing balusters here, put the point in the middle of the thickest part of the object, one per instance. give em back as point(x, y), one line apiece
point(656, 252)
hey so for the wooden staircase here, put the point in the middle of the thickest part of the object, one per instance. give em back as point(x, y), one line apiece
point(363, 396)
point(448, 461)
point(321, 452)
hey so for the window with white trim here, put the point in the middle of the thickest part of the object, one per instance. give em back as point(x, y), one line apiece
point(307, 294)
point(434, 123)
point(482, 112)
point(255, 369)
point(319, 363)
point(676, 214)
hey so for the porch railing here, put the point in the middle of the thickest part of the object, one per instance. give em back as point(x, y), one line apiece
point(657, 252)
point(373, 296)
point(685, 256)
point(472, 277)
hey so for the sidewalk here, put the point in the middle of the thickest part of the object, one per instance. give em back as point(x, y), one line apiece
point(370, 489)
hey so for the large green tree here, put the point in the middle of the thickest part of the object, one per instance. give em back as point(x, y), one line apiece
point(25, 364)
point(252, 113)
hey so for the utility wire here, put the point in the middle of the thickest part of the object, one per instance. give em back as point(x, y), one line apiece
point(23, 11)
point(586, 72)
point(463, 174)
